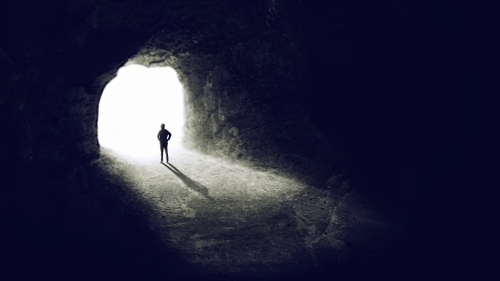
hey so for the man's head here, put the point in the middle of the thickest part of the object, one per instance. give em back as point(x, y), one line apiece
point(162, 126)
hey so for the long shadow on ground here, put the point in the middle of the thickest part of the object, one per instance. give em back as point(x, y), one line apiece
point(189, 182)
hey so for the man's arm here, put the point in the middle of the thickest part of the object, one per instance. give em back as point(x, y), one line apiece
point(169, 135)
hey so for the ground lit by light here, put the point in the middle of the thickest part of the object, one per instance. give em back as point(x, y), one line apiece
point(132, 107)
point(223, 217)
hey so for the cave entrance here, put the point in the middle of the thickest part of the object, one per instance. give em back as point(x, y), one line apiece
point(132, 107)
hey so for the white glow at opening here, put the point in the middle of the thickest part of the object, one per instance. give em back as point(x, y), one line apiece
point(132, 107)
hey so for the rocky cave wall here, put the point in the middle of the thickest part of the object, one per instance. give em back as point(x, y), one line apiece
point(312, 80)
point(380, 81)
point(240, 63)
point(245, 86)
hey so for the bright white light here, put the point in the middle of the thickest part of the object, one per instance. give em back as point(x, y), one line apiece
point(133, 106)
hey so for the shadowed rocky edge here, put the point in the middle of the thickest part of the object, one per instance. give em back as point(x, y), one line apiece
point(322, 139)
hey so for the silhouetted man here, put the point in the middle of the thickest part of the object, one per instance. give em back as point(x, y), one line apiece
point(163, 136)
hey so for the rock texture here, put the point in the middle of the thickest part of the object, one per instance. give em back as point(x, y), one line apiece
point(329, 93)
point(242, 78)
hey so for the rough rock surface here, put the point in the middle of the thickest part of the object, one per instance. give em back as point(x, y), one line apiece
point(329, 93)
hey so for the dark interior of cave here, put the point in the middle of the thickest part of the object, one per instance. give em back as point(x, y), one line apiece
point(378, 99)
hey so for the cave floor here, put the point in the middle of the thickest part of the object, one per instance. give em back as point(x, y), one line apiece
point(226, 218)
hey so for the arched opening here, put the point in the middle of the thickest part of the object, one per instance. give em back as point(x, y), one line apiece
point(132, 107)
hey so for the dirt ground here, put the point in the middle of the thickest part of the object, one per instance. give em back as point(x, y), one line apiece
point(231, 219)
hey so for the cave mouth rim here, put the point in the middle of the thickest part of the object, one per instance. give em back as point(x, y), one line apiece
point(136, 92)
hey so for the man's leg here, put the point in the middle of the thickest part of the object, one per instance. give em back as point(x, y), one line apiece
point(166, 151)
point(161, 153)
